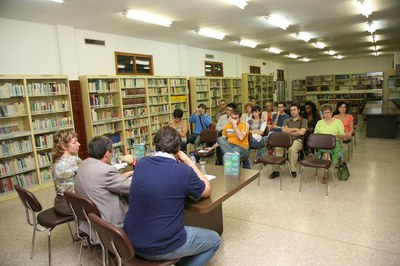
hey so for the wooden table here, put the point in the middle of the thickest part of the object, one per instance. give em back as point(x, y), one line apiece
point(381, 118)
point(207, 213)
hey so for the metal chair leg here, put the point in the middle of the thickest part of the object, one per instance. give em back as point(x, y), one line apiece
point(259, 174)
point(333, 175)
point(33, 242)
point(327, 181)
point(49, 244)
point(70, 231)
point(301, 174)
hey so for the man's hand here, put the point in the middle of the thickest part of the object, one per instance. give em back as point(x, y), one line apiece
point(182, 157)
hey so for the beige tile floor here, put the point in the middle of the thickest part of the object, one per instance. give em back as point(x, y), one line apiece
point(357, 224)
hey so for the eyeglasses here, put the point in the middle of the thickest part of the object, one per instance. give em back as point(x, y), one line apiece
point(234, 118)
point(327, 112)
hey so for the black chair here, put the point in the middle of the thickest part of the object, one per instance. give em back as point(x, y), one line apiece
point(319, 141)
point(115, 240)
point(81, 207)
point(281, 140)
point(206, 136)
point(47, 219)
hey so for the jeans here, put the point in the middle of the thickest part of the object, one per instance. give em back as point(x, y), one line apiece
point(200, 246)
point(228, 147)
point(260, 146)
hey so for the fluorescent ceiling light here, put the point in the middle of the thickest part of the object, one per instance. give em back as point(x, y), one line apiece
point(292, 55)
point(305, 59)
point(376, 53)
point(303, 36)
point(277, 21)
point(147, 17)
point(239, 3)
point(248, 43)
point(371, 27)
point(273, 50)
point(211, 33)
point(58, 1)
point(330, 52)
point(375, 48)
point(338, 56)
point(365, 7)
point(373, 38)
point(319, 45)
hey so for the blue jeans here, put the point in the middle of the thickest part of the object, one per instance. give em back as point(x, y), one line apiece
point(228, 147)
point(260, 146)
point(200, 246)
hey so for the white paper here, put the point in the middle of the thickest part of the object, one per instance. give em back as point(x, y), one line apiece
point(201, 150)
point(120, 165)
point(210, 177)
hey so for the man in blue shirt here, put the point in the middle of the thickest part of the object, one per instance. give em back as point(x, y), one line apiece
point(154, 222)
point(202, 121)
point(279, 117)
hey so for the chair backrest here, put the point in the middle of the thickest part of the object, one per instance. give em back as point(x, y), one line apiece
point(280, 139)
point(28, 199)
point(112, 238)
point(321, 141)
point(355, 116)
point(209, 136)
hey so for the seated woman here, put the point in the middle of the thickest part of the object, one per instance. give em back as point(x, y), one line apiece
point(333, 126)
point(257, 127)
point(181, 126)
point(64, 168)
point(347, 119)
point(248, 113)
point(311, 114)
point(267, 114)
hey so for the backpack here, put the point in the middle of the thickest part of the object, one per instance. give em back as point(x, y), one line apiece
point(343, 172)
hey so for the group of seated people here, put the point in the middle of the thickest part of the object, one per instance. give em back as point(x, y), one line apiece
point(157, 189)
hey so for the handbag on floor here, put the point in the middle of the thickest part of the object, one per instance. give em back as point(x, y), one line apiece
point(343, 172)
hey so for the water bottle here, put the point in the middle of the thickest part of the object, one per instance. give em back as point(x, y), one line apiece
point(193, 158)
point(203, 167)
point(152, 152)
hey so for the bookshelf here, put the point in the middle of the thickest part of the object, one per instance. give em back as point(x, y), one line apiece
point(102, 109)
point(394, 87)
point(259, 86)
point(199, 92)
point(215, 95)
point(179, 94)
point(237, 92)
point(299, 91)
point(32, 109)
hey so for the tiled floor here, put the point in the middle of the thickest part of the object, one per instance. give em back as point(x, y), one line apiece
point(357, 224)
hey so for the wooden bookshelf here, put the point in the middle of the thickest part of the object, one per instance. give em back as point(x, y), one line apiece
point(299, 91)
point(259, 86)
point(32, 109)
point(394, 87)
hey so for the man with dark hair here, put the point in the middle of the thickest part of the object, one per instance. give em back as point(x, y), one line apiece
point(222, 109)
point(296, 126)
point(279, 117)
point(101, 182)
point(202, 121)
point(154, 222)
point(234, 137)
point(224, 119)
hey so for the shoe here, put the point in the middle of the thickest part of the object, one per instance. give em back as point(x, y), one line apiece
point(294, 174)
point(273, 175)
point(324, 179)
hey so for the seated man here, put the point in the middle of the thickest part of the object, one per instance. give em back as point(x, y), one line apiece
point(101, 182)
point(296, 126)
point(154, 222)
point(222, 122)
point(234, 138)
point(278, 118)
point(202, 121)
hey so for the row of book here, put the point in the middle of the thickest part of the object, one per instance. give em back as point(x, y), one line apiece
point(46, 175)
point(44, 159)
point(131, 142)
point(201, 88)
point(159, 109)
point(51, 123)
point(237, 83)
point(45, 107)
point(104, 114)
point(136, 92)
point(226, 91)
point(133, 83)
point(16, 165)
point(158, 91)
point(8, 128)
point(99, 130)
point(8, 90)
point(202, 96)
point(134, 123)
point(99, 85)
point(157, 82)
point(133, 101)
point(214, 84)
point(163, 119)
point(46, 89)
point(136, 132)
point(44, 141)
point(17, 108)
point(24, 180)
point(101, 100)
point(158, 99)
point(178, 90)
point(10, 147)
point(177, 82)
point(135, 111)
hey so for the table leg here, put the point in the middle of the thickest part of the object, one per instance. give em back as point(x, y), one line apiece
point(211, 220)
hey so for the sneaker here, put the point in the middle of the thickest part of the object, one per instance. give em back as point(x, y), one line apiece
point(294, 174)
point(273, 175)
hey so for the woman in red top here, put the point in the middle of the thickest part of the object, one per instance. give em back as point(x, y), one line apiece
point(347, 119)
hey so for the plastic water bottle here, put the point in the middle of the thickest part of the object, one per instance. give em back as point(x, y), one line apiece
point(152, 152)
point(203, 167)
point(193, 158)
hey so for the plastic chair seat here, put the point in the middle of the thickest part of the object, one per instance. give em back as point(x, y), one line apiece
point(203, 154)
point(270, 159)
point(316, 163)
point(50, 219)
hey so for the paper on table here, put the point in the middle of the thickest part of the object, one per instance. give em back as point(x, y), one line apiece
point(201, 150)
point(120, 165)
point(210, 177)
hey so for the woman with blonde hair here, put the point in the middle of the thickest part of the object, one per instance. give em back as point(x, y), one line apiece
point(65, 166)
point(248, 113)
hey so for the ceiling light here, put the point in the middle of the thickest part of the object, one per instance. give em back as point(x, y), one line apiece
point(365, 7)
point(303, 36)
point(371, 27)
point(330, 52)
point(319, 45)
point(375, 48)
point(277, 21)
point(211, 33)
point(147, 17)
point(338, 57)
point(373, 38)
point(58, 1)
point(239, 3)
point(273, 50)
point(292, 55)
point(376, 53)
point(248, 43)
point(305, 59)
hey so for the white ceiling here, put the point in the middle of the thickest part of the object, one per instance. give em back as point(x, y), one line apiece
point(334, 22)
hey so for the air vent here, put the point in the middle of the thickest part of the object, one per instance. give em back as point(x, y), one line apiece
point(210, 56)
point(264, 63)
point(95, 42)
